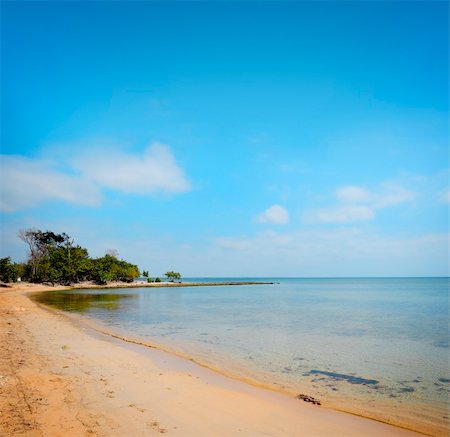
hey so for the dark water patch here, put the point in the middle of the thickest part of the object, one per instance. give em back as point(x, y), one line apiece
point(407, 390)
point(168, 334)
point(352, 332)
point(80, 302)
point(444, 343)
point(343, 377)
point(446, 380)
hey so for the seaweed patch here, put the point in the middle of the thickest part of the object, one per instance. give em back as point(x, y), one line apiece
point(309, 399)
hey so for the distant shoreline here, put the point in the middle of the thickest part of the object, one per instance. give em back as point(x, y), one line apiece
point(178, 284)
point(117, 285)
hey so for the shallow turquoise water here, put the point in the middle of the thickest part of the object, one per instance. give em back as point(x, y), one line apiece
point(378, 338)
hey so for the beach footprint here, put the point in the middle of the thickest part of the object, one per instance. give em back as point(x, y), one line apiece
point(141, 410)
point(156, 426)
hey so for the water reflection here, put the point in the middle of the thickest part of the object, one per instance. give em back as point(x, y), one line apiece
point(80, 302)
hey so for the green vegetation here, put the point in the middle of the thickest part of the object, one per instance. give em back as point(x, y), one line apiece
point(55, 258)
point(109, 268)
point(172, 276)
point(10, 272)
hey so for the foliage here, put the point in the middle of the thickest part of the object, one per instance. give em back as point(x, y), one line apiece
point(10, 272)
point(172, 276)
point(54, 258)
point(149, 279)
point(69, 264)
point(39, 245)
point(145, 273)
point(109, 268)
point(157, 280)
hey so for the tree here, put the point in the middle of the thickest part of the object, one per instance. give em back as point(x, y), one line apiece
point(68, 264)
point(29, 237)
point(172, 276)
point(102, 269)
point(39, 244)
point(109, 268)
point(55, 258)
point(10, 272)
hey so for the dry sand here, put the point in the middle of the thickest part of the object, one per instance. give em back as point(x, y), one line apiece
point(60, 378)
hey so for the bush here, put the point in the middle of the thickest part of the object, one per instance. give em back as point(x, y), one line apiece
point(149, 280)
point(172, 276)
point(10, 272)
point(157, 280)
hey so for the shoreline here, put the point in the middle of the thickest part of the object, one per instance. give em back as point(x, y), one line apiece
point(165, 284)
point(295, 412)
point(382, 413)
point(338, 405)
point(117, 284)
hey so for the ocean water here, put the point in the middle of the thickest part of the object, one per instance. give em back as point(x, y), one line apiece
point(370, 341)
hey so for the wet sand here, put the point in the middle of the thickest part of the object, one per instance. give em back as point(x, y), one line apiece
point(61, 378)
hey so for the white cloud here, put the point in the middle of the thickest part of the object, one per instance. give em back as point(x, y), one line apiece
point(357, 204)
point(275, 214)
point(391, 195)
point(27, 182)
point(344, 214)
point(154, 171)
point(352, 194)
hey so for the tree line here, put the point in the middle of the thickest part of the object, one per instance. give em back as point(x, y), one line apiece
point(55, 258)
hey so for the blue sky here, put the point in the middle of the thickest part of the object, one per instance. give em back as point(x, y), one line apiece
point(230, 139)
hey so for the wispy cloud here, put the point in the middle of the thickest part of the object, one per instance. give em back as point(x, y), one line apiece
point(276, 214)
point(345, 214)
point(337, 252)
point(352, 194)
point(29, 181)
point(391, 195)
point(444, 196)
point(155, 170)
point(355, 203)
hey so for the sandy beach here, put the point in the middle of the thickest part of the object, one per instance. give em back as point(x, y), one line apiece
point(58, 377)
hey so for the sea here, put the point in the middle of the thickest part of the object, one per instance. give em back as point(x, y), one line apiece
point(372, 346)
